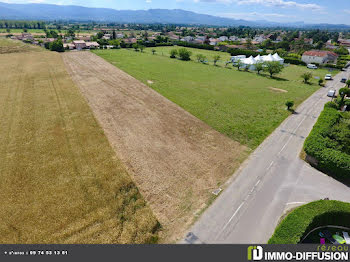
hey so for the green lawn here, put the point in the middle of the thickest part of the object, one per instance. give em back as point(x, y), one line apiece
point(241, 105)
point(304, 219)
point(165, 51)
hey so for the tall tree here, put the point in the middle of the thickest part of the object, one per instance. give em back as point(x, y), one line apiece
point(273, 68)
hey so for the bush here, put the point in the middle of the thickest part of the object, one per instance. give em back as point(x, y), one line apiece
point(293, 61)
point(201, 58)
point(173, 53)
point(319, 146)
point(289, 104)
point(308, 217)
point(273, 68)
point(57, 46)
point(185, 54)
point(333, 66)
point(306, 77)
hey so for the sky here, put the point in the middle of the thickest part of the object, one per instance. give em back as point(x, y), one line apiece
point(308, 11)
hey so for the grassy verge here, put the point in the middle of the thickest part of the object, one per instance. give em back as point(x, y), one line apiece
point(60, 179)
point(308, 217)
point(245, 106)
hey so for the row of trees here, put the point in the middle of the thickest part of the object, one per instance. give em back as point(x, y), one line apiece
point(16, 24)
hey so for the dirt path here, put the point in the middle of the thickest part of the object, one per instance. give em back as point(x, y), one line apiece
point(176, 159)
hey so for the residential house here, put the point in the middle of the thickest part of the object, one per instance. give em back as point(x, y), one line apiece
point(278, 39)
point(233, 38)
point(26, 37)
point(344, 42)
point(225, 48)
point(309, 41)
point(130, 41)
point(198, 41)
point(85, 38)
point(69, 46)
point(79, 44)
point(259, 39)
point(329, 45)
point(214, 41)
point(319, 57)
point(92, 45)
point(49, 40)
point(223, 38)
point(187, 39)
point(107, 36)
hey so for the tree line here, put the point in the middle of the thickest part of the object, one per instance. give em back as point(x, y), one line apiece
point(15, 24)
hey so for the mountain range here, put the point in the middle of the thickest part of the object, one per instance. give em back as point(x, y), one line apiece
point(51, 12)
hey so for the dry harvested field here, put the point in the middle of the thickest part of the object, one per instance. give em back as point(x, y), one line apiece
point(13, 46)
point(60, 180)
point(176, 160)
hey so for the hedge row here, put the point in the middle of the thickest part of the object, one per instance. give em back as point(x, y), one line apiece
point(293, 61)
point(319, 146)
point(308, 217)
point(235, 51)
point(333, 66)
point(199, 46)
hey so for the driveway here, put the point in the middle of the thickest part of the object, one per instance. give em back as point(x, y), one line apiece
point(272, 181)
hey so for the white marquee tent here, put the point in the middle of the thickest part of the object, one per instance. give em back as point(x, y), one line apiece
point(259, 59)
point(268, 58)
point(277, 58)
point(251, 61)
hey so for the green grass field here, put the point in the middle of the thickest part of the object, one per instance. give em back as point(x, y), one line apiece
point(245, 106)
point(60, 180)
point(165, 51)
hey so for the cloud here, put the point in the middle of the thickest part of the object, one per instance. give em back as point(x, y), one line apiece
point(275, 3)
point(347, 11)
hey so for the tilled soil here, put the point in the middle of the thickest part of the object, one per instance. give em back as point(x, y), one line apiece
point(176, 160)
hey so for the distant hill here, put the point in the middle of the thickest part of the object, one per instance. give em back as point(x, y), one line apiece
point(162, 16)
point(79, 13)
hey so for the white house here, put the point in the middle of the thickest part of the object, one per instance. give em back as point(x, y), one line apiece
point(107, 37)
point(259, 39)
point(319, 57)
point(233, 38)
point(187, 39)
point(223, 38)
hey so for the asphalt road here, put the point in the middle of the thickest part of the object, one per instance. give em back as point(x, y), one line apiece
point(272, 181)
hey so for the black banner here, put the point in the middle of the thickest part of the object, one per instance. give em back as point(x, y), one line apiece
point(154, 253)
